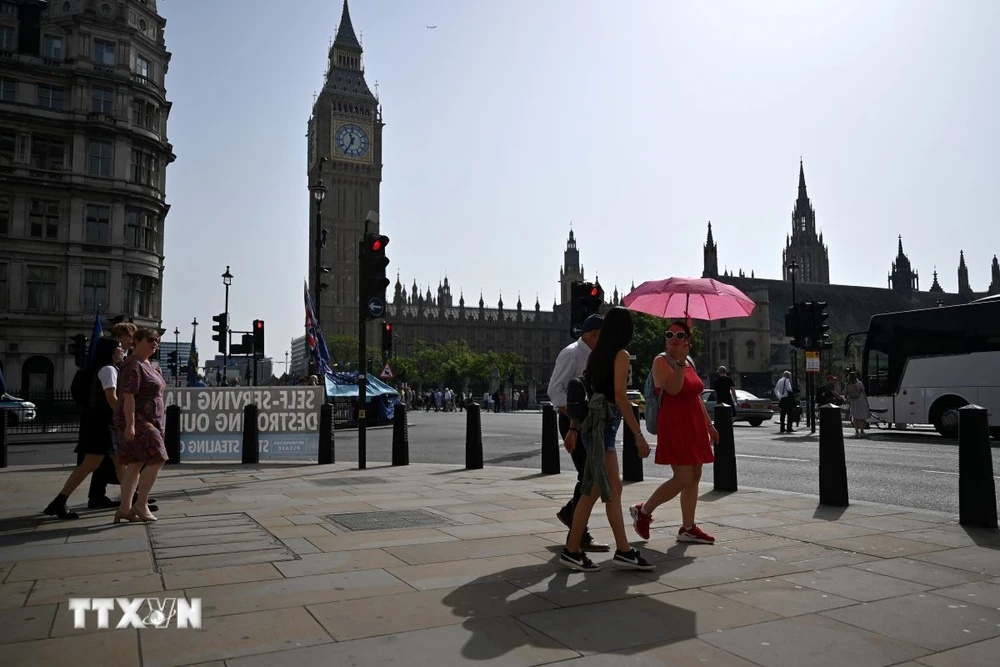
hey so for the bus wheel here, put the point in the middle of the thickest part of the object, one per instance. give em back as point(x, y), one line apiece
point(944, 415)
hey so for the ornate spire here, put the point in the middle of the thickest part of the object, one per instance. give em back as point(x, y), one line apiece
point(482, 304)
point(900, 246)
point(936, 286)
point(461, 299)
point(519, 301)
point(802, 178)
point(711, 241)
point(538, 306)
point(500, 302)
point(399, 284)
point(961, 259)
point(995, 276)
point(345, 33)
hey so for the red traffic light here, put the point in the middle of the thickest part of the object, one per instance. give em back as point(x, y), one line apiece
point(259, 324)
point(377, 245)
point(388, 327)
point(593, 291)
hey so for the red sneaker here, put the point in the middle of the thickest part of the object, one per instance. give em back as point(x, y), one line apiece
point(694, 534)
point(640, 520)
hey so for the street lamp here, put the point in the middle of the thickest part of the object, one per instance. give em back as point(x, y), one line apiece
point(319, 190)
point(194, 333)
point(793, 267)
point(177, 357)
point(227, 280)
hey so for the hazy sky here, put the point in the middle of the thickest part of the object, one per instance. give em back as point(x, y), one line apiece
point(637, 121)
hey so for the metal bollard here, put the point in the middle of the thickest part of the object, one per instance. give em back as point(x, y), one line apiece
point(724, 468)
point(3, 438)
point(832, 463)
point(327, 449)
point(550, 441)
point(251, 442)
point(400, 436)
point(977, 494)
point(473, 438)
point(631, 461)
point(172, 434)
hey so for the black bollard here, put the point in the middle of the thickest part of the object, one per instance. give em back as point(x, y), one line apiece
point(724, 468)
point(550, 441)
point(400, 436)
point(832, 463)
point(172, 434)
point(977, 494)
point(327, 449)
point(251, 443)
point(631, 461)
point(473, 438)
point(3, 438)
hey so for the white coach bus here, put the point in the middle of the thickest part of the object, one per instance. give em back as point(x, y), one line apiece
point(920, 366)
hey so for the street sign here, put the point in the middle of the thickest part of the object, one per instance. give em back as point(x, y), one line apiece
point(386, 373)
point(812, 362)
point(376, 306)
point(577, 330)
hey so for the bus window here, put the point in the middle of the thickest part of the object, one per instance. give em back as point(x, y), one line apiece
point(877, 381)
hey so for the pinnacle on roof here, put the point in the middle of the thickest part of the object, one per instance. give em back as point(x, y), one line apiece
point(900, 245)
point(802, 180)
point(345, 33)
point(961, 259)
point(710, 240)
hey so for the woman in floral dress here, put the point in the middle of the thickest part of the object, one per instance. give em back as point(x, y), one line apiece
point(139, 419)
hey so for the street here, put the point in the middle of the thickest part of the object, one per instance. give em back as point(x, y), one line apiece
point(914, 468)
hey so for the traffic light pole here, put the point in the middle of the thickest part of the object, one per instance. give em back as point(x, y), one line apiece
point(362, 357)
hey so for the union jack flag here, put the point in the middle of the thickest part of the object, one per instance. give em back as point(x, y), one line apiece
point(314, 337)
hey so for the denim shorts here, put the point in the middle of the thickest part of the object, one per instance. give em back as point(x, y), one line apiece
point(610, 431)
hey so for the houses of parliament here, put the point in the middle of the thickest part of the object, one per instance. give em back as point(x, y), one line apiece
point(346, 129)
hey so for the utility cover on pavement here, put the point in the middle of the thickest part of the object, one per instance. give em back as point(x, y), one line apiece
point(388, 519)
point(345, 481)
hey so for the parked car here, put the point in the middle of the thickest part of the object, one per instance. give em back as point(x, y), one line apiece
point(749, 408)
point(636, 398)
point(18, 409)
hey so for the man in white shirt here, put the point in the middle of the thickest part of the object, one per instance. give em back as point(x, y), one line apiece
point(786, 400)
point(571, 363)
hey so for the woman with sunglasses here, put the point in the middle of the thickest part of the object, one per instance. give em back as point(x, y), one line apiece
point(684, 436)
point(139, 419)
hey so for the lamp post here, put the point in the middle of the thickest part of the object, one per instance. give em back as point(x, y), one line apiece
point(194, 333)
point(319, 190)
point(793, 267)
point(227, 280)
point(177, 357)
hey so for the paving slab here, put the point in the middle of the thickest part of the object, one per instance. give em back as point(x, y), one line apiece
point(14, 594)
point(980, 654)
point(855, 584)
point(217, 576)
point(986, 594)
point(421, 554)
point(718, 569)
point(984, 560)
point(380, 539)
point(567, 589)
point(883, 546)
point(137, 561)
point(480, 570)
point(780, 597)
point(937, 576)
point(118, 584)
point(118, 649)
point(26, 623)
point(950, 536)
point(691, 651)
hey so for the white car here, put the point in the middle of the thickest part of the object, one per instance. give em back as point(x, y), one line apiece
point(750, 409)
point(17, 409)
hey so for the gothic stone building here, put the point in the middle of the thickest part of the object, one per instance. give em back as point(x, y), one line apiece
point(756, 350)
point(83, 156)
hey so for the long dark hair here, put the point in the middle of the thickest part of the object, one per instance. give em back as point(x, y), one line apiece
point(616, 334)
point(104, 353)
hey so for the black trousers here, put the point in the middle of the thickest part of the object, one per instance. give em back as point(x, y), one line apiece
point(579, 460)
point(787, 408)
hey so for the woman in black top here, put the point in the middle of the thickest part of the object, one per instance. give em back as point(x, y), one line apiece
point(607, 370)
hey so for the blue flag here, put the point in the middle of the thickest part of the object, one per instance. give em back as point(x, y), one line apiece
point(192, 366)
point(314, 336)
point(95, 336)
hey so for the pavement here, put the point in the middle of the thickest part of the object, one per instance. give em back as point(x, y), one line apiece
point(435, 565)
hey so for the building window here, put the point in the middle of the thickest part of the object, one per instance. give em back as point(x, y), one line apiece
point(137, 112)
point(139, 295)
point(6, 38)
point(42, 282)
point(8, 146)
point(98, 223)
point(102, 100)
point(722, 351)
point(95, 289)
point(47, 152)
point(8, 90)
point(50, 97)
point(751, 349)
point(43, 219)
point(4, 216)
point(722, 324)
point(145, 168)
point(143, 67)
point(99, 158)
point(104, 52)
point(3, 287)
point(52, 47)
point(9, 8)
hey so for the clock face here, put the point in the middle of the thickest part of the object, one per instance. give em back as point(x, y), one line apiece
point(352, 141)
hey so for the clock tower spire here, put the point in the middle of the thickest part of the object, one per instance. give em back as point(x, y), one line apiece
point(346, 129)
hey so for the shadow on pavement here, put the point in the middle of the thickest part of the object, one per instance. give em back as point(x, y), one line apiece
point(984, 537)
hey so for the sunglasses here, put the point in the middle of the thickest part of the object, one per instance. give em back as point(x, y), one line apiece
point(679, 335)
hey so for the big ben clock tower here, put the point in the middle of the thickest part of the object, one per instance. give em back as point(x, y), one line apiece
point(346, 129)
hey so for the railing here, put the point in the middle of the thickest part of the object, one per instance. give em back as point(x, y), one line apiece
point(55, 413)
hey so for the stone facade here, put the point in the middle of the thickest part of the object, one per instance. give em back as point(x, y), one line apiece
point(83, 155)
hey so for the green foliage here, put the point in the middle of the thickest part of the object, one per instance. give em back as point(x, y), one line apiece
point(648, 341)
point(451, 363)
point(343, 350)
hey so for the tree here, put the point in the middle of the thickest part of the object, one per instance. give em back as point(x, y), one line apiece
point(453, 363)
point(648, 341)
point(343, 349)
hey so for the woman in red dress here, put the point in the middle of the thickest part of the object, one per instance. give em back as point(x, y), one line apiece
point(684, 436)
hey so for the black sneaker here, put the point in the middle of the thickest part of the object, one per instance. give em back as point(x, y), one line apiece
point(566, 516)
point(577, 561)
point(631, 560)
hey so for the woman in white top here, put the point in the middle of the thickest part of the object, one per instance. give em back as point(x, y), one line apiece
point(97, 438)
point(858, 401)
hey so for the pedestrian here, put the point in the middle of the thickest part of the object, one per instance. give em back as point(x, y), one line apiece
point(725, 389)
point(571, 363)
point(607, 370)
point(857, 399)
point(140, 423)
point(684, 436)
point(96, 439)
point(786, 400)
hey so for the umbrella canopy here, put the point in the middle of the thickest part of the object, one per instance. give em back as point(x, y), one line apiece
point(697, 298)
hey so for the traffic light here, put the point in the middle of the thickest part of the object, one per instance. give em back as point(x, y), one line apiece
point(172, 362)
point(820, 331)
point(592, 297)
point(221, 328)
point(78, 348)
point(797, 324)
point(258, 338)
point(373, 279)
point(386, 341)
point(575, 309)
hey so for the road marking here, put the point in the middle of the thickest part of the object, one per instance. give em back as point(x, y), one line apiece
point(945, 472)
point(771, 458)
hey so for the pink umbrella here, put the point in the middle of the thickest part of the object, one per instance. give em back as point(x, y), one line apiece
point(696, 298)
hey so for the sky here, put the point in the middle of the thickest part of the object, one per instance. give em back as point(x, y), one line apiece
point(637, 122)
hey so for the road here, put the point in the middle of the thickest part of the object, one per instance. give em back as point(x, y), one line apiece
point(914, 468)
